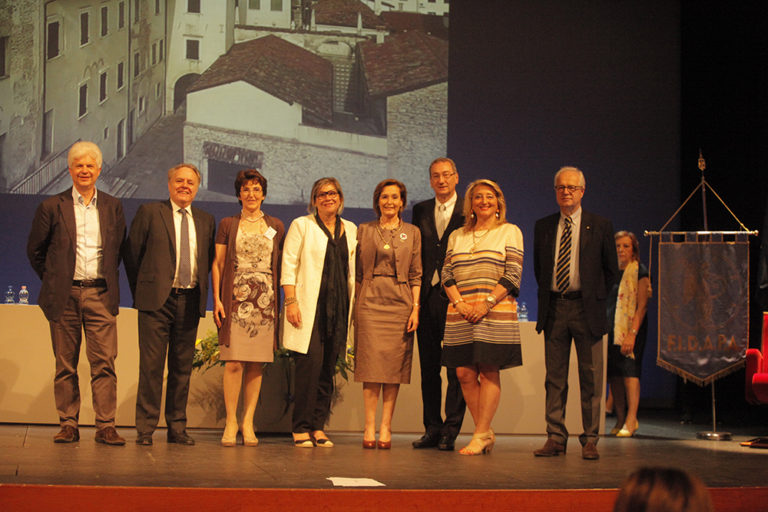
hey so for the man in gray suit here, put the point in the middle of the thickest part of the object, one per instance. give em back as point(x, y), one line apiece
point(168, 258)
point(74, 246)
point(574, 260)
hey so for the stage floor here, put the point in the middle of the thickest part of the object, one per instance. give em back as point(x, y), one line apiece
point(28, 456)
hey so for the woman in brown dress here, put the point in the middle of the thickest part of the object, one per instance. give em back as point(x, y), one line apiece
point(245, 279)
point(388, 280)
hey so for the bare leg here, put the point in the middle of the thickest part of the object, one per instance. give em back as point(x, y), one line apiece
point(370, 402)
point(389, 397)
point(488, 398)
point(232, 382)
point(632, 385)
point(253, 373)
point(619, 400)
point(470, 388)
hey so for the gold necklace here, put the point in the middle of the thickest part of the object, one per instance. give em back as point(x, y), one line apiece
point(381, 235)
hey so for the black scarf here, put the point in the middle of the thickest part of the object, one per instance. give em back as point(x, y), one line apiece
point(333, 301)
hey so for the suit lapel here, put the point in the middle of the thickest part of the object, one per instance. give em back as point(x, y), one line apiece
point(200, 233)
point(586, 230)
point(166, 213)
point(431, 226)
point(455, 221)
point(67, 210)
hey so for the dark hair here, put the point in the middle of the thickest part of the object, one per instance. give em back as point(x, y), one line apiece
point(247, 175)
point(380, 187)
point(662, 489)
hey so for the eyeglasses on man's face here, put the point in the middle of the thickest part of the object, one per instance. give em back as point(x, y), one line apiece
point(569, 188)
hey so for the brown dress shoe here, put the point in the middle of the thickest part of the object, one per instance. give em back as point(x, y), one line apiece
point(67, 434)
point(108, 435)
point(589, 451)
point(550, 449)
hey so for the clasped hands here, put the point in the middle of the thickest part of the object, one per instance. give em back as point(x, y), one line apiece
point(473, 314)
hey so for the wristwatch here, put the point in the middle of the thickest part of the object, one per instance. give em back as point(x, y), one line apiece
point(491, 300)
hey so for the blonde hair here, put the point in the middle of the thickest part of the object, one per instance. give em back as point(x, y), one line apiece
point(469, 216)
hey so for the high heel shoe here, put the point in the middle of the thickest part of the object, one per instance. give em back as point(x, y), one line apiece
point(626, 431)
point(480, 444)
point(369, 445)
point(616, 429)
point(384, 445)
point(229, 438)
point(249, 438)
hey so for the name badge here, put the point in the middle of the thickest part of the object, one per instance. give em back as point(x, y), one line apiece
point(270, 232)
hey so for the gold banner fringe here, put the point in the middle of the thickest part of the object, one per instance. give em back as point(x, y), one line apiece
point(701, 382)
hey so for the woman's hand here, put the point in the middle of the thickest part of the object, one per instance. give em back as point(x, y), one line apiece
point(478, 312)
point(218, 313)
point(463, 309)
point(293, 315)
point(413, 320)
point(628, 344)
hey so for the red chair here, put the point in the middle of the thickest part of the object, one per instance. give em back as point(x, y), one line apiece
point(756, 385)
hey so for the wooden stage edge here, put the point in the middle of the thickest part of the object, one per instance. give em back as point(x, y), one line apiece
point(85, 498)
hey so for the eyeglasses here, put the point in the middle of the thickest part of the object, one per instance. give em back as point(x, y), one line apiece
point(445, 176)
point(331, 194)
point(569, 188)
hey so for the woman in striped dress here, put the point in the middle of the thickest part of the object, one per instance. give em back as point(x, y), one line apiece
point(481, 276)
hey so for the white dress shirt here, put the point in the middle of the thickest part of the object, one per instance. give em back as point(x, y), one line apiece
point(88, 253)
point(574, 279)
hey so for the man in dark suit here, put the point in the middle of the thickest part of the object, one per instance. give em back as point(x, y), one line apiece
point(168, 258)
point(575, 265)
point(74, 246)
point(436, 219)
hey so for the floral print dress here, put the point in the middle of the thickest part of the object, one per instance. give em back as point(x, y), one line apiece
point(252, 315)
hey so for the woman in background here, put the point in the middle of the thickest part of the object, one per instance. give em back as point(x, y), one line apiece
point(318, 282)
point(481, 276)
point(388, 280)
point(245, 278)
point(627, 307)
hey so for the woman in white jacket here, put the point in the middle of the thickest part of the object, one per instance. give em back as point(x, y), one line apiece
point(318, 279)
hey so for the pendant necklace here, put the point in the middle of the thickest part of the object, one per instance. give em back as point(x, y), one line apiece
point(386, 246)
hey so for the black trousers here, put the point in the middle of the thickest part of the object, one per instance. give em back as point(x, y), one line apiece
point(170, 330)
point(430, 339)
point(313, 383)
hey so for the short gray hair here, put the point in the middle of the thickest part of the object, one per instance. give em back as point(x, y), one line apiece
point(582, 180)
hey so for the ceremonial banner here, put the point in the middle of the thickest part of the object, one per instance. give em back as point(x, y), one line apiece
point(703, 306)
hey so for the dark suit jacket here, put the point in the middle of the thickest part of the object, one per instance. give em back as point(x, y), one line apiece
point(150, 255)
point(52, 243)
point(598, 266)
point(432, 247)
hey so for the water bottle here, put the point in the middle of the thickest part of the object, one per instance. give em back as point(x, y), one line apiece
point(23, 295)
point(9, 295)
point(522, 312)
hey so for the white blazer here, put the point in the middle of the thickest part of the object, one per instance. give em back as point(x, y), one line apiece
point(303, 258)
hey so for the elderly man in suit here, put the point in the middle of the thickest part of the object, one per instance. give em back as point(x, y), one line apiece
point(575, 266)
point(169, 253)
point(74, 246)
point(436, 219)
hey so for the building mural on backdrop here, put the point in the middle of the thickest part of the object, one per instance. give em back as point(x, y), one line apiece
point(296, 88)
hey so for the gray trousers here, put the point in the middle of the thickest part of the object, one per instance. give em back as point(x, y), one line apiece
point(567, 322)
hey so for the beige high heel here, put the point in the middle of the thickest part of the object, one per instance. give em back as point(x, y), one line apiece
point(480, 444)
point(249, 438)
point(229, 438)
point(626, 431)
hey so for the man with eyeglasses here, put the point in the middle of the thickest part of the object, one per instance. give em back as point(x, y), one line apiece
point(575, 266)
point(436, 219)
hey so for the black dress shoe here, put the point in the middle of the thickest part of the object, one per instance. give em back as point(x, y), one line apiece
point(446, 443)
point(144, 439)
point(180, 438)
point(426, 441)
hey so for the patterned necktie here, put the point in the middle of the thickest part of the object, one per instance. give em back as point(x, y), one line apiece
point(185, 266)
point(563, 267)
point(440, 224)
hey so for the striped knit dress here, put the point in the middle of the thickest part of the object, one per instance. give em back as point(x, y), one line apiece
point(475, 262)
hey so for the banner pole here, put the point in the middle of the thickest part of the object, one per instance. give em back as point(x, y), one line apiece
point(713, 435)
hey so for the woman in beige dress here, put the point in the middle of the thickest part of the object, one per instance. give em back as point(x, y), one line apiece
point(245, 277)
point(388, 280)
